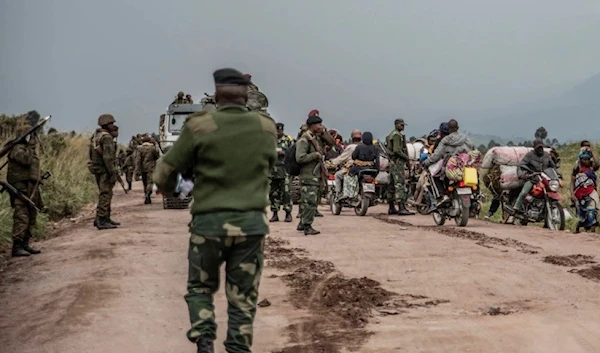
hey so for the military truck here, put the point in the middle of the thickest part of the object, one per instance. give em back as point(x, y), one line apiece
point(169, 128)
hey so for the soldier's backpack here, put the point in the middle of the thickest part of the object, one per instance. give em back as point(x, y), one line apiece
point(289, 161)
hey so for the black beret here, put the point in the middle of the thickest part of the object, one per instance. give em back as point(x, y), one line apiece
point(313, 120)
point(279, 126)
point(230, 77)
point(399, 121)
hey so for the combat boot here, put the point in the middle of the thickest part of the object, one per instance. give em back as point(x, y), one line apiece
point(288, 217)
point(147, 201)
point(300, 227)
point(392, 208)
point(18, 250)
point(115, 223)
point(402, 211)
point(129, 188)
point(275, 217)
point(104, 224)
point(28, 248)
point(309, 230)
point(205, 345)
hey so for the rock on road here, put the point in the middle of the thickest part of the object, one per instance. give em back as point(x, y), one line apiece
point(368, 284)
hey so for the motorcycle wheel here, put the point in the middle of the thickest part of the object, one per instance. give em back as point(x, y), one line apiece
point(462, 218)
point(438, 218)
point(363, 206)
point(336, 207)
point(555, 217)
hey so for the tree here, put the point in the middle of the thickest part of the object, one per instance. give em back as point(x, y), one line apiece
point(510, 144)
point(555, 142)
point(528, 144)
point(492, 144)
point(52, 131)
point(541, 133)
point(482, 148)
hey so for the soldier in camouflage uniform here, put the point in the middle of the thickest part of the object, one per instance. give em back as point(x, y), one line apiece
point(128, 168)
point(24, 175)
point(122, 157)
point(229, 222)
point(148, 157)
point(188, 99)
point(103, 164)
point(281, 183)
point(180, 98)
point(398, 153)
point(311, 183)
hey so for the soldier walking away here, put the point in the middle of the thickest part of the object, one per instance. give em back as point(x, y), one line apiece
point(24, 174)
point(309, 154)
point(180, 99)
point(398, 153)
point(229, 222)
point(148, 157)
point(280, 180)
point(102, 153)
point(122, 158)
point(129, 166)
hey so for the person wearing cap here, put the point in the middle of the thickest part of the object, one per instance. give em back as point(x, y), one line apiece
point(535, 161)
point(309, 154)
point(147, 162)
point(251, 86)
point(230, 153)
point(398, 153)
point(344, 160)
point(281, 186)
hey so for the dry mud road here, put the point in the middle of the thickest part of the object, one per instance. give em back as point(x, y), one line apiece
point(366, 284)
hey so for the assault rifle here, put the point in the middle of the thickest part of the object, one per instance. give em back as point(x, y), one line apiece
point(11, 144)
point(17, 194)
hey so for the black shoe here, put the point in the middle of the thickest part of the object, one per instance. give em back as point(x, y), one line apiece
point(300, 227)
point(392, 208)
point(129, 188)
point(31, 250)
point(309, 230)
point(288, 217)
point(18, 249)
point(148, 200)
point(96, 222)
point(104, 224)
point(318, 214)
point(275, 218)
point(115, 223)
point(402, 211)
point(205, 345)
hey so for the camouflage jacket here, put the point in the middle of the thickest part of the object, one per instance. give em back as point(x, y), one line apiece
point(283, 144)
point(232, 152)
point(396, 146)
point(23, 164)
point(129, 162)
point(103, 155)
point(148, 157)
point(306, 155)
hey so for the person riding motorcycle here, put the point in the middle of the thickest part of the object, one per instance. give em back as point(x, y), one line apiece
point(535, 161)
point(453, 144)
point(432, 139)
point(344, 159)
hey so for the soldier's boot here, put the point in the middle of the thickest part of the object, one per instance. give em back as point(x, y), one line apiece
point(275, 217)
point(392, 208)
point(318, 214)
point(96, 222)
point(129, 187)
point(28, 248)
point(288, 217)
point(18, 250)
point(402, 211)
point(309, 230)
point(115, 223)
point(205, 345)
point(300, 227)
point(103, 223)
point(147, 200)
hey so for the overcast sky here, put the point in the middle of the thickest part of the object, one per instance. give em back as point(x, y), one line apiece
point(361, 63)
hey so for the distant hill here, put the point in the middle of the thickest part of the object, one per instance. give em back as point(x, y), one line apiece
point(479, 139)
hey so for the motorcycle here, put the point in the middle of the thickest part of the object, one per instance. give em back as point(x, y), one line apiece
point(365, 197)
point(542, 204)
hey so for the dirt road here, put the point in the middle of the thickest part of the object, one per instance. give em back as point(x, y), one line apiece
point(366, 284)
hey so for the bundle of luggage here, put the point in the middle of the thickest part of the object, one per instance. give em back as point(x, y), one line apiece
point(502, 164)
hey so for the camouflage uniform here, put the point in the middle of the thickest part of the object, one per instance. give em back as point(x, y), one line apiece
point(129, 166)
point(122, 158)
point(180, 99)
point(24, 175)
point(103, 166)
point(148, 157)
point(281, 183)
point(396, 145)
point(229, 221)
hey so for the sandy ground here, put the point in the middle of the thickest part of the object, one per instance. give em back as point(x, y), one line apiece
point(366, 284)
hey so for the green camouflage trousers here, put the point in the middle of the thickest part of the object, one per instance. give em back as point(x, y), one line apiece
point(24, 216)
point(147, 181)
point(105, 187)
point(129, 175)
point(309, 197)
point(397, 185)
point(244, 257)
point(279, 194)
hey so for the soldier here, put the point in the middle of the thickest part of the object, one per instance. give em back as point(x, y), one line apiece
point(309, 153)
point(128, 168)
point(251, 86)
point(229, 221)
point(180, 98)
point(280, 181)
point(103, 166)
point(147, 162)
point(398, 153)
point(188, 99)
point(24, 175)
point(122, 158)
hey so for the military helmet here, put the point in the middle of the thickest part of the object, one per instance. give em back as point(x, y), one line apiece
point(258, 99)
point(106, 119)
point(180, 94)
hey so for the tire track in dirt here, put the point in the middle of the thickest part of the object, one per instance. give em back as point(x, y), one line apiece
point(340, 307)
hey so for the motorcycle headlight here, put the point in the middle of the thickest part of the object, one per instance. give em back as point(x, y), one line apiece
point(554, 185)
